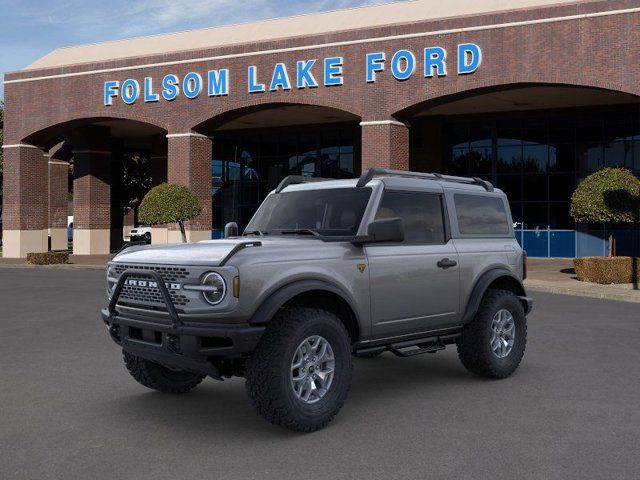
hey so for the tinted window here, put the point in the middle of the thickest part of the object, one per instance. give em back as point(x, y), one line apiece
point(421, 215)
point(481, 215)
point(328, 211)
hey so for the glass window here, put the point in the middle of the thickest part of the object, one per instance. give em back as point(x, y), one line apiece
point(562, 157)
point(535, 187)
point(421, 215)
point(327, 211)
point(559, 216)
point(535, 216)
point(510, 159)
point(561, 186)
point(618, 154)
point(511, 185)
point(481, 215)
point(535, 158)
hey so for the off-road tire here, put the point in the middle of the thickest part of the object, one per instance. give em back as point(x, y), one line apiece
point(268, 372)
point(474, 349)
point(157, 377)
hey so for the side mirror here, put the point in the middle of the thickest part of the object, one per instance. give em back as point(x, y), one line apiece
point(231, 230)
point(383, 231)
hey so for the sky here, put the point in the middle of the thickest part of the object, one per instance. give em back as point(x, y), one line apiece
point(30, 29)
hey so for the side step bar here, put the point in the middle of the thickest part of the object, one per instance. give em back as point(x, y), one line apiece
point(410, 348)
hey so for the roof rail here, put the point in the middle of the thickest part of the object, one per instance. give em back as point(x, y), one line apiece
point(367, 176)
point(297, 179)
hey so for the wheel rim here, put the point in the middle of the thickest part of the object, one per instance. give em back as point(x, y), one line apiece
point(503, 333)
point(312, 369)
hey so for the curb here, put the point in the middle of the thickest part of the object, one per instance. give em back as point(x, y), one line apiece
point(549, 287)
point(68, 266)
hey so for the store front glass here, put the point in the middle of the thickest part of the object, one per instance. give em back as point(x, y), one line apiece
point(538, 158)
point(248, 164)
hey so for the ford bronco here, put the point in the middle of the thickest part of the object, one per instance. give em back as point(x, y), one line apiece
point(326, 270)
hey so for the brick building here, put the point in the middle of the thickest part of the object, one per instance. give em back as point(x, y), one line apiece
point(533, 97)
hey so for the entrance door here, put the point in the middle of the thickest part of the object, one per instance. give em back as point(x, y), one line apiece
point(414, 284)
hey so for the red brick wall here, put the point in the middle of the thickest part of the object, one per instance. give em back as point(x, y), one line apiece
point(601, 52)
point(25, 189)
point(190, 165)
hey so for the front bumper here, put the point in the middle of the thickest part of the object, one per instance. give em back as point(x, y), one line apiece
point(193, 347)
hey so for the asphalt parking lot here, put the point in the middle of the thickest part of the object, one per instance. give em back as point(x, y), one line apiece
point(68, 408)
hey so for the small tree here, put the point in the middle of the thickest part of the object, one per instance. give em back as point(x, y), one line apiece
point(169, 203)
point(611, 195)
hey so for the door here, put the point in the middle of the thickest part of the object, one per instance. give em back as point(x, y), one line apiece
point(414, 284)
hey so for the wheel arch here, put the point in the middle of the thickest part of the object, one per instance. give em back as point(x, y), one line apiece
point(495, 278)
point(312, 293)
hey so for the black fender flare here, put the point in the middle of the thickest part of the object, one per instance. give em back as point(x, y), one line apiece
point(482, 285)
point(282, 295)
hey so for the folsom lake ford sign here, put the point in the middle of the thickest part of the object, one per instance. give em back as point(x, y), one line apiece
point(310, 73)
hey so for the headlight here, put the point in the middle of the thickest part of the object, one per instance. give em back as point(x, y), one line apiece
point(215, 288)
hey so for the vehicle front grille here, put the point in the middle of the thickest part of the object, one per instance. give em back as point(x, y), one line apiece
point(170, 274)
point(150, 297)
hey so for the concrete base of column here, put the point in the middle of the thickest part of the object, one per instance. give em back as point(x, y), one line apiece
point(159, 235)
point(91, 242)
point(58, 238)
point(174, 236)
point(17, 243)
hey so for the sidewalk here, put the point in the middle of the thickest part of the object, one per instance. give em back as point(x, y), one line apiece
point(557, 276)
point(92, 262)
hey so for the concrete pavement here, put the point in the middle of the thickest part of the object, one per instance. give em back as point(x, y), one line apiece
point(69, 409)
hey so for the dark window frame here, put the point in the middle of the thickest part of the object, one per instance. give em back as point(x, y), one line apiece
point(446, 232)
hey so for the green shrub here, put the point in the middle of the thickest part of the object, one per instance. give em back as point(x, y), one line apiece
point(606, 270)
point(611, 195)
point(169, 203)
point(48, 258)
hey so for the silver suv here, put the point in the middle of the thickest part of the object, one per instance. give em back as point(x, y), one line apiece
point(327, 269)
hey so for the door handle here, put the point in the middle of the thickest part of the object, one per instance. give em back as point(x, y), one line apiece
point(446, 263)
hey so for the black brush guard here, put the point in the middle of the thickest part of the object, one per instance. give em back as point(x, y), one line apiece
point(181, 345)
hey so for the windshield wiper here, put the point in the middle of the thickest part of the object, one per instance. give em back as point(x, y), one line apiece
point(255, 232)
point(300, 231)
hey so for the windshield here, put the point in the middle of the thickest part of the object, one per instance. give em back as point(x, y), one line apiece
point(327, 212)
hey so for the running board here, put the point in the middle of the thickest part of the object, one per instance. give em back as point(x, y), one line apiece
point(410, 348)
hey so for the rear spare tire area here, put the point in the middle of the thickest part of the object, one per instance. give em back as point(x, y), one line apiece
point(300, 373)
point(157, 377)
point(492, 344)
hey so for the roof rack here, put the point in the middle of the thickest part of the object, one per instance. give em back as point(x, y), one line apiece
point(297, 179)
point(367, 176)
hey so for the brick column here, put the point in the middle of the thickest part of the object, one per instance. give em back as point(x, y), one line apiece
point(159, 233)
point(158, 159)
point(385, 144)
point(58, 191)
point(189, 163)
point(25, 210)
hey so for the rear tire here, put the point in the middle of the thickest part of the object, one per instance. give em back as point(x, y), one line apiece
point(157, 377)
point(492, 344)
point(272, 376)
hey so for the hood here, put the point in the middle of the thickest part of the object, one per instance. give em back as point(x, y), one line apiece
point(208, 252)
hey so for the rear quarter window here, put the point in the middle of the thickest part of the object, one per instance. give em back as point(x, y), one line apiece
point(481, 215)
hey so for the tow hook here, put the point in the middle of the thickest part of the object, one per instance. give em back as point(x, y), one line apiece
point(173, 344)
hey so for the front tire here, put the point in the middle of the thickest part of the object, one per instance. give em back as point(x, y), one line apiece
point(300, 373)
point(156, 377)
point(492, 344)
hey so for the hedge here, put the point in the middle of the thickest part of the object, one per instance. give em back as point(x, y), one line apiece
point(607, 270)
point(48, 258)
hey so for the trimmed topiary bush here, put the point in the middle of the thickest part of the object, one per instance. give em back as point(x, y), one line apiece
point(606, 270)
point(169, 203)
point(611, 195)
point(48, 258)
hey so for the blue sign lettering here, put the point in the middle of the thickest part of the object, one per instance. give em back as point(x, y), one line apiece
point(403, 66)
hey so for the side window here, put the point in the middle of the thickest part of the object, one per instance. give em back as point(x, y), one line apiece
point(481, 215)
point(421, 214)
